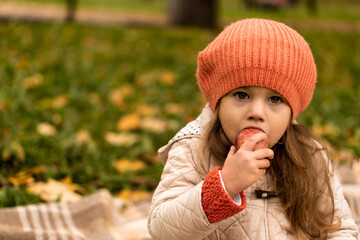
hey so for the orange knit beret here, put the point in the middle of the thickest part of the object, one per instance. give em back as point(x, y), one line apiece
point(258, 52)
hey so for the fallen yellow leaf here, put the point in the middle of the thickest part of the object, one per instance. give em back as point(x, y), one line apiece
point(127, 90)
point(174, 108)
point(82, 137)
point(326, 130)
point(26, 177)
point(128, 122)
point(21, 178)
point(167, 78)
point(52, 103)
point(59, 101)
point(154, 125)
point(13, 150)
point(343, 155)
point(37, 169)
point(146, 110)
point(145, 79)
point(125, 165)
point(132, 195)
point(353, 141)
point(46, 129)
point(70, 184)
point(53, 190)
point(33, 81)
point(2, 105)
point(121, 139)
point(116, 97)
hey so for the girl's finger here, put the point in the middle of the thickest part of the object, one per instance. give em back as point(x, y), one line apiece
point(264, 153)
point(263, 164)
point(250, 143)
point(231, 152)
point(262, 171)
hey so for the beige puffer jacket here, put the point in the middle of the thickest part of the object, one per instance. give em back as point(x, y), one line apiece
point(176, 211)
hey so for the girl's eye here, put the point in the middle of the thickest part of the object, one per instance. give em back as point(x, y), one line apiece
point(241, 95)
point(275, 99)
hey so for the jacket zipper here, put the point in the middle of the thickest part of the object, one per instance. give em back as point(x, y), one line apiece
point(265, 213)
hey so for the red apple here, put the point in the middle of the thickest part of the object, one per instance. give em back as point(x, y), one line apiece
point(248, 132)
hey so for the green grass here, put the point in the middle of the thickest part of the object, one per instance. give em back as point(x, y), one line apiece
point(84, 64)
point(327, 10)
point(344, 10)
point(151, 6)
point(336, 96)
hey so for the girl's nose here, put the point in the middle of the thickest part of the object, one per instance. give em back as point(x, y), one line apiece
point(256, 111)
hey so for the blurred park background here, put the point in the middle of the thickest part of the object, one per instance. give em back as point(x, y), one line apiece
point(90, 89)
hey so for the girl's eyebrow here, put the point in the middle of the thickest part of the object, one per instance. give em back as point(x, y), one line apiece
point(237, 90)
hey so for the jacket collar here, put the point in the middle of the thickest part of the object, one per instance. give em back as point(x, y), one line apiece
point(192, 129)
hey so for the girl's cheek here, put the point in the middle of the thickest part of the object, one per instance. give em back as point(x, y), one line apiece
point(274, 140)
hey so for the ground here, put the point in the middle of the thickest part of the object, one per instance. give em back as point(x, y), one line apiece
point(135, 216)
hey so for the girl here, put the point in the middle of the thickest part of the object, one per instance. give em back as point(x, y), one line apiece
point(256, 74)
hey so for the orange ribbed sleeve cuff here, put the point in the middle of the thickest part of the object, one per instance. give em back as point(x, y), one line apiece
point(217, 204)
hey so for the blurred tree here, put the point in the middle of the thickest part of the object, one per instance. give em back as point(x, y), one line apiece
point(249, 3)
point(202, 13)
point(70, 10)
point(312, 6)
point(268, 4)
point(293, 2)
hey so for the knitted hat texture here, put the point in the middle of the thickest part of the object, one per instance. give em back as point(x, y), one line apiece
point(258, 52)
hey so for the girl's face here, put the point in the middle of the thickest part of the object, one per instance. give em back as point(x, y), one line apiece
point(254, 107)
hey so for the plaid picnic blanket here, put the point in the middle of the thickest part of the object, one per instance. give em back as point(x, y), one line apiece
point(95, 217)
point(352, 196)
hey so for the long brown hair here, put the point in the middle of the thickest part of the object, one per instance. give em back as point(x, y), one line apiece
point(301, 176)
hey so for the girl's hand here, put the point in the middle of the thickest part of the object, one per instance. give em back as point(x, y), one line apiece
point(244, 167)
